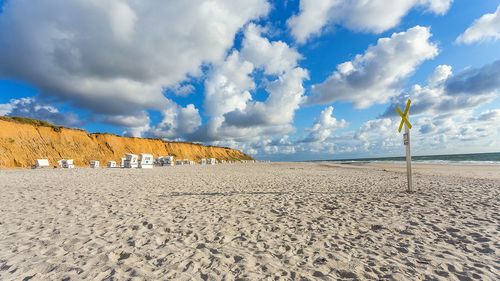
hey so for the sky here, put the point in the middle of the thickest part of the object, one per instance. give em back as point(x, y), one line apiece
point(282, 81)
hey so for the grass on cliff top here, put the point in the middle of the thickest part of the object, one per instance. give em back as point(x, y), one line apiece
point(30, 121)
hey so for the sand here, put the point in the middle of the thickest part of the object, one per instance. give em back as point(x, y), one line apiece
point(297, 221)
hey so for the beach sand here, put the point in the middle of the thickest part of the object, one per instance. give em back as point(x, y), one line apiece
point(297, 221)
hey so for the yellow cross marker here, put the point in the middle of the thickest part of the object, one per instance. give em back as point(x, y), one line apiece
point(404, 116)
point(406, 140)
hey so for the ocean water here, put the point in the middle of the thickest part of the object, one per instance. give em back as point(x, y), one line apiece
point(467, 159)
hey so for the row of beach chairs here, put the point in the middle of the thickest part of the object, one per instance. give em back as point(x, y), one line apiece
point(143, 161)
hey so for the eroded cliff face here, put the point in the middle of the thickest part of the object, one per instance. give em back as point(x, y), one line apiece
point(21, 144)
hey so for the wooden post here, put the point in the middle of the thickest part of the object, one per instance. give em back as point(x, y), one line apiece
point(406, 140)
point(408, 158)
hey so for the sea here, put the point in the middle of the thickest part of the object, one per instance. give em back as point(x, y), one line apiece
point(459, 159)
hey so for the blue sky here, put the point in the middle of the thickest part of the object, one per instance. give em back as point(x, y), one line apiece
point(284, 80)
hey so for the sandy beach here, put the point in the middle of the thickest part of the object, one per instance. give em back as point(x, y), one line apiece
point(279, 221)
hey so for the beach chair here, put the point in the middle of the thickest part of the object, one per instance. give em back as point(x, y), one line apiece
point(67, 164)
point(146, 161)
point(131, 161)
point(94, 164)
point(41, 163)
point(111, 164)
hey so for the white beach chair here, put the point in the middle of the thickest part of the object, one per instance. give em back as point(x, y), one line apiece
point(94, 164)
point(131, 161)
point(170, 160)
point(111, 164)
point(67, 164)
point(41, 163)
point(146, 161)
point(166, 160)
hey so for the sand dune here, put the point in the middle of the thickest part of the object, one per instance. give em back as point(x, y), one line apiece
point(249, 222)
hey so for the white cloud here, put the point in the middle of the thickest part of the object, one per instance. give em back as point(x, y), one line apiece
point(127, 120)
point(285, 95)
point(5, 108)
point(358, 15)
point(324, 126)
point(441, 74)
point(378, 74)
point(485, 28)
point(489, 115)
point(476, 81)
point(177, 122)
point(230, 85)
point(275, 57)
point(32, 108)
point(183, 90)
point(448, 93)
point(116, 57)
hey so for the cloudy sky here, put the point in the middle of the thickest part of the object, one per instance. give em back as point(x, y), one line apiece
point(283, 80)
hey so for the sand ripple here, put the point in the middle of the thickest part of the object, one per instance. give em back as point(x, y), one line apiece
point(248, 222)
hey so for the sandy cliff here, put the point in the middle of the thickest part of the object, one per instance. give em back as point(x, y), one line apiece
point(21, 143)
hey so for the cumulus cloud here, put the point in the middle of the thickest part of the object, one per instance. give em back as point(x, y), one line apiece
point(456, 129)
point(274, 57)
point(358, 15)
point(234, 114)
point(448, 93)
point(183, 90)
point(116, 57)
point(486, 28)
point(177, 122)
point(228, 85)
point(31, 108)
point(324, 126)
point(476, 81)
point(285, 95)
point(377, 75)
point(489, 115)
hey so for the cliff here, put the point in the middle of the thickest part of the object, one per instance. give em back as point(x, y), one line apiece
point(23, 140)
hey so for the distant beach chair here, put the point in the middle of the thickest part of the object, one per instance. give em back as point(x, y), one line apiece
point(211, 161)
point(111, 164)
point(146, 161)
point(169, 160)
point(131, 161)
point(166, 161)
point(203, 161)
point(122, 162)
point(94, 164)
point(67, 164)
point(179, 162)
point(41, 163)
